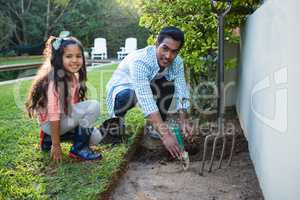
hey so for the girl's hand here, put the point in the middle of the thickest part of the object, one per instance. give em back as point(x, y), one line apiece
point(55, 138)
point(56, 153)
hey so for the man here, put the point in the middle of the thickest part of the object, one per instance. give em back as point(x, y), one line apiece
point(151, 77)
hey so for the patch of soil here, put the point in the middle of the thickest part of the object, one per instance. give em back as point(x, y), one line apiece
point(167, 181)
point(154, 175)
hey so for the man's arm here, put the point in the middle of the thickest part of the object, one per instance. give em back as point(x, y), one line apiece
point(139, 72)
point(182, 94)
point(182, 100)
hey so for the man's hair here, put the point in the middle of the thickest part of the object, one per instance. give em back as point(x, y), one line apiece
point(171, 32)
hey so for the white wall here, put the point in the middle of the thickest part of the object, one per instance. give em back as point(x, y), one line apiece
point(268, 100)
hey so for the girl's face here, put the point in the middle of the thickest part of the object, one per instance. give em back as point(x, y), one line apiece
point(72, 58)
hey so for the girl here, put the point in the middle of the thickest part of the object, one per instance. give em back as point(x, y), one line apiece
point(58, 98)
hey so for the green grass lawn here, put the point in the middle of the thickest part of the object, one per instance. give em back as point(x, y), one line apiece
point(20, 60)
point(27, 173)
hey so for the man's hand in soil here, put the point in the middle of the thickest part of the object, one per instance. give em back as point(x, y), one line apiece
point(170, 142)
point(168, 139)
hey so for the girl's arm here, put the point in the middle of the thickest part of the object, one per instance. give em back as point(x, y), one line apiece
point(55, 137)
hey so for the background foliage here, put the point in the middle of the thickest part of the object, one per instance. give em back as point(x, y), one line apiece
point(27, 23)
point(199, 24)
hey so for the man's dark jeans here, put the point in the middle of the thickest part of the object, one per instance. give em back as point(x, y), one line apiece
point(162, 90)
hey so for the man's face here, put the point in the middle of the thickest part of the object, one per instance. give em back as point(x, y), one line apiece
point(166, 51)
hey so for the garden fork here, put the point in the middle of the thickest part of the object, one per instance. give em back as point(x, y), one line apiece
point(221, 12)
point(220, 134)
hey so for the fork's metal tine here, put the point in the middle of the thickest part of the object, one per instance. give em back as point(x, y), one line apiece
point(222, 153)
point(232, 149)
point(213, 153)
point(204, 153)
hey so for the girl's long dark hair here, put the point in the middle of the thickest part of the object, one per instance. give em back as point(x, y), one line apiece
point(53, 70)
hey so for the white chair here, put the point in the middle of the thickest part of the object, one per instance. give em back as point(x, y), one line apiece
point(99, 50)
point(130, 46)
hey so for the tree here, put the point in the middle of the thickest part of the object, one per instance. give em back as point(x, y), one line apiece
point(17, 12)
point(6, 27)
point(32, 22)
point(200, 25)
point(55, 11)
point(90, 19)
point(32, 19)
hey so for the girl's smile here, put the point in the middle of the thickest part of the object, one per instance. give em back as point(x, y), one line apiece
point(72, 58)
